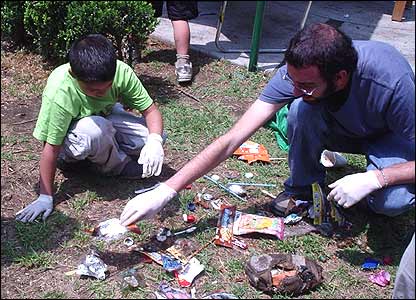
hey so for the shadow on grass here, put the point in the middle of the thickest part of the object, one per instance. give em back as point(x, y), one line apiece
point(106, 188)
point(26, 243)
point(386, 236)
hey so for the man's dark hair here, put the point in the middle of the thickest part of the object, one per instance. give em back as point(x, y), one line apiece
point(323, 46)
point(93, 59)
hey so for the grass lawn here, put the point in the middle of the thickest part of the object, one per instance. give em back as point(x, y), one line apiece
point(36, 257)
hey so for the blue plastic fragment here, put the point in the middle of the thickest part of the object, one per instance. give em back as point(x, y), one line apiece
point(170, 264)
point(191, 206)
point(370, 263)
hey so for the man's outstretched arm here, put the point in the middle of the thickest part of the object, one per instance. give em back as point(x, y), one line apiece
point(146, 205)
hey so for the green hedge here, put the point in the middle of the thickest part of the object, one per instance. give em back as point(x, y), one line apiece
point(12, 27)
point(52, 26)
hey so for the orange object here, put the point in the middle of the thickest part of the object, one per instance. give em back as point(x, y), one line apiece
point(251, 152)
point(134, 228)
point(277, 278)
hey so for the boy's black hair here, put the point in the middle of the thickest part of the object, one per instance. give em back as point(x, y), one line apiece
point(323, 46)
point(93, 59)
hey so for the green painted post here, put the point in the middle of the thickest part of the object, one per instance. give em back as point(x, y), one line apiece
point(255, 38)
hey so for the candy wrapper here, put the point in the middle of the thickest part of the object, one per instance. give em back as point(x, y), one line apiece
point(224, 232)
point(248, 223)
point(318, 204)
point(187, 275)
point(252, 152)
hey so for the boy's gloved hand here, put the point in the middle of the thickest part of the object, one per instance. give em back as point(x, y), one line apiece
point(44, 204)
point(151, 156)
point(146, 205)
point(350, 189)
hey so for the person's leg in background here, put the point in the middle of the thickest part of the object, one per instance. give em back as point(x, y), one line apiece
point(180, 12)
point(404, 285)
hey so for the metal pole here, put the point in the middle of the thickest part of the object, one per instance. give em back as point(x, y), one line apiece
point(255, 42)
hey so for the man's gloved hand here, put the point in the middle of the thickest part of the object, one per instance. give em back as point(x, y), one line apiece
point(146, 205)
point(350, 189)
point(151, 156)
point(44, 204)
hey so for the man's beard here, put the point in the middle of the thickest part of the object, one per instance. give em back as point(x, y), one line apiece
point(328, 98)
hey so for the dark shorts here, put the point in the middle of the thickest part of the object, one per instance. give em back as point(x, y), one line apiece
point(177, 10)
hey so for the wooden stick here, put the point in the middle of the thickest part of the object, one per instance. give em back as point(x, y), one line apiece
point(268, 194)
point(23, 122)
point(200, 249)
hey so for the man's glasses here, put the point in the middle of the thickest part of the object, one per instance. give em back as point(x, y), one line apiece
point(304, 91)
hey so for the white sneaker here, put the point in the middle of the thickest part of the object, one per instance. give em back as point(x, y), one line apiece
point(183, 68)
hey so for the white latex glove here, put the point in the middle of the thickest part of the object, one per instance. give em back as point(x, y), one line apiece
point(350, 189)
point(151, 156)
point(44, 204)
point(146, 205)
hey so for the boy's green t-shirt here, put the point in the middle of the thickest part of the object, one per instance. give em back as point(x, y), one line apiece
point(63, 101)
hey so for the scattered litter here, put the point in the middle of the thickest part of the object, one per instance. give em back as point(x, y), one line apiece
point(224, 188)
point(182, 249)
point(331, 159)
point(268, 194)
point(207, 197)
point(166, 292)
point(170, 263)
point(232, 174)
point(191, 206)
point(249, 175)
point(163, 234)
point(193, 292)
point(237, 189)
point(132, 279)
point(154, 256)
point(110, 230)
point(198, 200)
point(188, 187)
point(128, 242)
point(187, 275)
point(224, 231)
point(251, 152)
point(240, 243)
point(283, 273)
point(292, 219)
point(370, 263)
point(216, 204)
point(252, 184)
point(188, 230)
point(215, 177)
point(93, 266)
point(140, 191)
point(249, 223)
point(318, 204)
point(189, 218)
point(221, 295)
point(381, 278)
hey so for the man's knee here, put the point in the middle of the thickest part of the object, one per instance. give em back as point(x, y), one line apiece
point(392, 201)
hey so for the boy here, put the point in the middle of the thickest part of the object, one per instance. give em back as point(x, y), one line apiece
point(80, 120)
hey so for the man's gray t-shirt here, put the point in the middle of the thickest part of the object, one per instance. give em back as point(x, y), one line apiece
point(381, 97)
